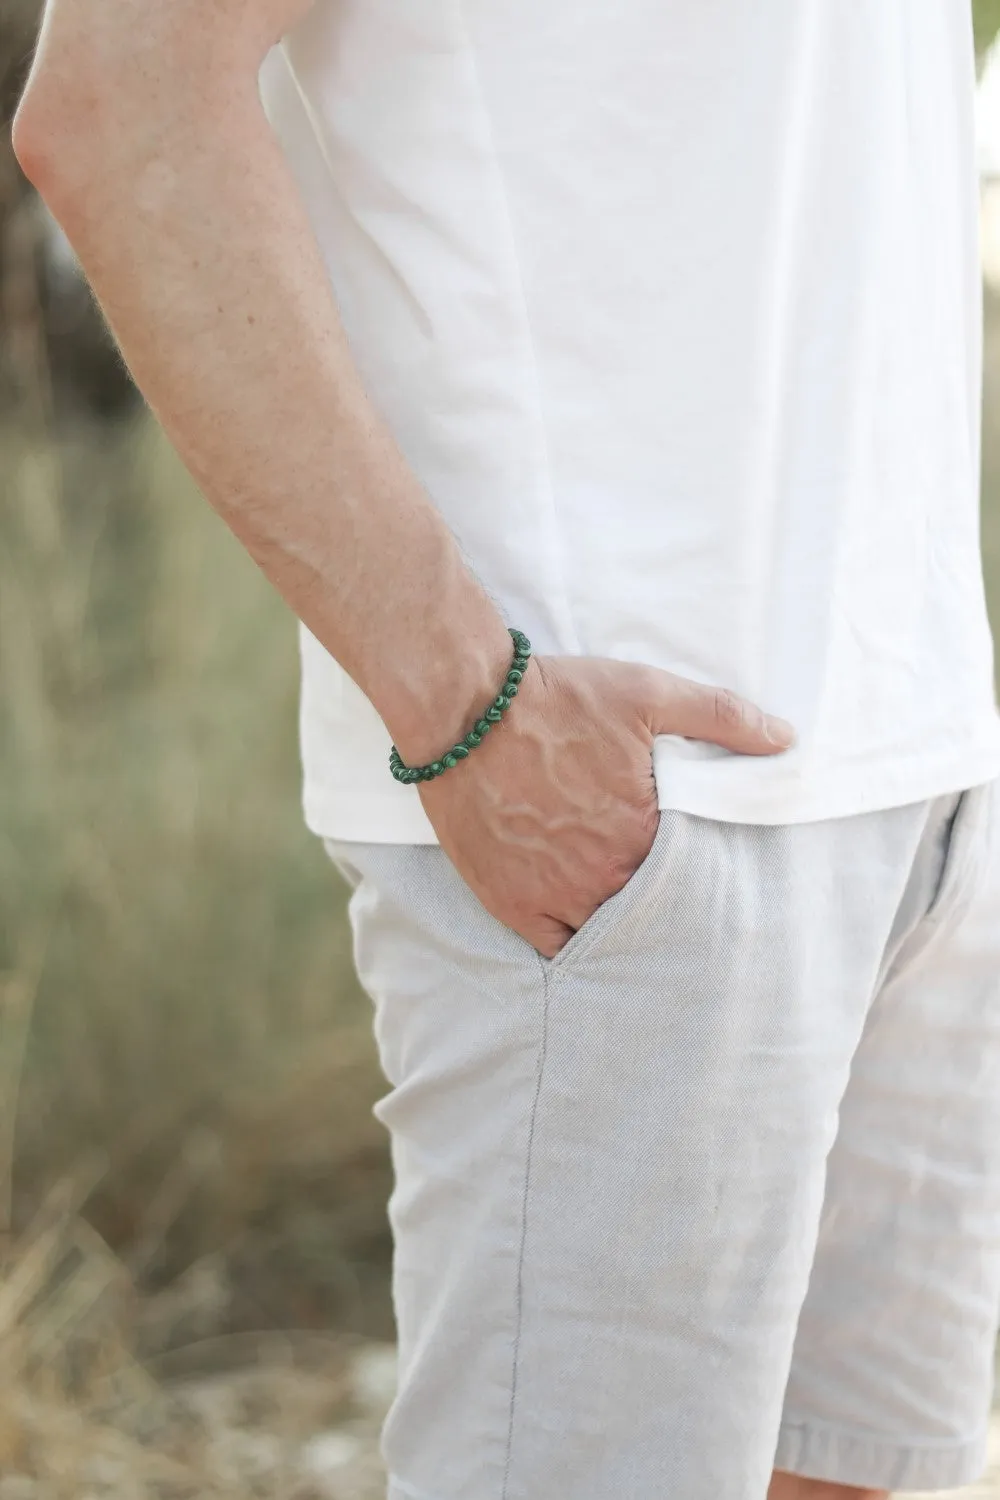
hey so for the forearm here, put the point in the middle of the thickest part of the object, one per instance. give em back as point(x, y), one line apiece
point(191, 231)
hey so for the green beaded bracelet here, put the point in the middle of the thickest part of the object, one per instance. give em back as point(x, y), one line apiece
point(408, 775)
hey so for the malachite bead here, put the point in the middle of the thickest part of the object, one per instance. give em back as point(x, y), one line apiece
point(407, 775)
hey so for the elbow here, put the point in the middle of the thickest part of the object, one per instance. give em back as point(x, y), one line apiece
point(33, 141)
point(52, 143)
point(38, 137)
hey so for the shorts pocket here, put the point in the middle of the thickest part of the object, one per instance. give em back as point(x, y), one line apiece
point(611, 912)
point(968, 841)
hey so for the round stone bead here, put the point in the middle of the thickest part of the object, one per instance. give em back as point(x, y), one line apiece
point(493, 715)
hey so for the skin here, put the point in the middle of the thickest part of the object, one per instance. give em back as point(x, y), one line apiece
point(791, 1487)
point(142, 129)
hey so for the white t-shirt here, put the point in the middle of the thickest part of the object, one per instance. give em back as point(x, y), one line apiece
point(675, 309)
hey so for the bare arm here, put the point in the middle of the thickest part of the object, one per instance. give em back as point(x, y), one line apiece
point(142, 128)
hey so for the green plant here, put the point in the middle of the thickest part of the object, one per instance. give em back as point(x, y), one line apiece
point(986, 15)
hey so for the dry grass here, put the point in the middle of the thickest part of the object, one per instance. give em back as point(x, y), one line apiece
point(186, 1146)
point(172, 944)
point(282, 1417)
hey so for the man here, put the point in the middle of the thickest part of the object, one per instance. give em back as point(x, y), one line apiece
point(660, 344)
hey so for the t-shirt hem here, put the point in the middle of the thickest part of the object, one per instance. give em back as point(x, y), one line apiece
point(690, 788)
point(342, 814)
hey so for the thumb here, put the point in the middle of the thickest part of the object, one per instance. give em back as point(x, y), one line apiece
point(715, 715)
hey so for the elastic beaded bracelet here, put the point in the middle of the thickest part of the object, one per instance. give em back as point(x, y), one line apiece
point(410, 774)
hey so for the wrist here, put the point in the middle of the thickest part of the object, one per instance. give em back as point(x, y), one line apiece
point(457, 681)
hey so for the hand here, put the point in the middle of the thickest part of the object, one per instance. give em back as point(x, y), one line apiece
point(557, 809)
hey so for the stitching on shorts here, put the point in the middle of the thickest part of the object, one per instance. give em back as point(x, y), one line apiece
point(519, 1282)
point(855, 1435)
point(617, 907)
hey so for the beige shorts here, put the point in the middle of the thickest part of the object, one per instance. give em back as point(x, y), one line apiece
point(717, 1189)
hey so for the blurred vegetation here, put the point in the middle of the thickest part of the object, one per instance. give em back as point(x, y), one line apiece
point(179, 1022)
point(986, 15)
point(173, 942)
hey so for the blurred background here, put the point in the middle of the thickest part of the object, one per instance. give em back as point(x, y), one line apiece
point(193, 1246)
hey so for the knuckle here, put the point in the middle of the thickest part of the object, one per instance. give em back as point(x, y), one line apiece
point(728, 710)
point(549, 938)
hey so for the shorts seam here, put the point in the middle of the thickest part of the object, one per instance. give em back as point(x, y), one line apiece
point(617, 908)
point(844, 1456)
point(525, 1203)
point(855, 1435)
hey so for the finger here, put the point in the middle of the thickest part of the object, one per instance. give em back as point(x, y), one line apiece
point(549, 936)
point(717, 716)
